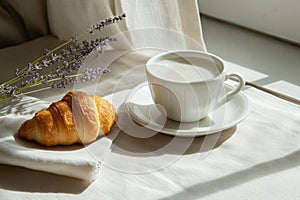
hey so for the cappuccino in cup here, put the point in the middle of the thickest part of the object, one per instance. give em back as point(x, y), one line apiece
point(181, 70)
point(189, 84)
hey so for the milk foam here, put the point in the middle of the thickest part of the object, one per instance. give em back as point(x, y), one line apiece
point(181, 70)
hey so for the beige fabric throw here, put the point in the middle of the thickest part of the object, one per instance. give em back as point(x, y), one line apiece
point(70, 18)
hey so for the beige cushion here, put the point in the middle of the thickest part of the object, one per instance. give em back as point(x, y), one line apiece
point(69, 18)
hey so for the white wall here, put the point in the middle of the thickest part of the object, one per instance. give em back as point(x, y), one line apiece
point(280, 18)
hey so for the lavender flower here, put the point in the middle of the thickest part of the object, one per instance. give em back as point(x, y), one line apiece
point(57, 68)
point(106, 22)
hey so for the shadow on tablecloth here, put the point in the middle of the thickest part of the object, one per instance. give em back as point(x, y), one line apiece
point(26, 180)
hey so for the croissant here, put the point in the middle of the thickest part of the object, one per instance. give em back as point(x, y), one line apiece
point(76, 118)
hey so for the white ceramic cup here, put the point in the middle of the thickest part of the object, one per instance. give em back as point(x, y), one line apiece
point(189, 84)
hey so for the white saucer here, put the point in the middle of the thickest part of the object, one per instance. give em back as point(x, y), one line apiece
point(140, 106)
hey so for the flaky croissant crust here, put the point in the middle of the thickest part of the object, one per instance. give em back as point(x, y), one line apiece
point(76, 118)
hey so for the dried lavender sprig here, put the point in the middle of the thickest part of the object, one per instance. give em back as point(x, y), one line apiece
point(76, 78)
point(79, 54)
point(62, 74)
point(70, 61)
point(61, 83)
point(106, 22)
point(46, 52)
point(90, 74)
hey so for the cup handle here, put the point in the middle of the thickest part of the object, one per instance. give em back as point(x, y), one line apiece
point(234, 91)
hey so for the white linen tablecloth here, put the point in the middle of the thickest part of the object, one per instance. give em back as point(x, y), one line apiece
point(257, 159)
